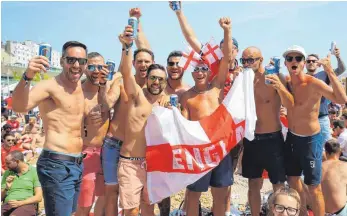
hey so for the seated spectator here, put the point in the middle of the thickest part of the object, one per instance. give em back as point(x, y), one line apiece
point(4, 119)
point(20, 187)
point(9, 145)
point(341, 134)
point(5, 130)
point(31, 127)
point(13, 122)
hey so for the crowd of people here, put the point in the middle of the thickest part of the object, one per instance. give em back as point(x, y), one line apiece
point(90, 134)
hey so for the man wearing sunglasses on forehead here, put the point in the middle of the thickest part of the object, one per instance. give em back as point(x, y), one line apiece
point(61, 104)
point(201, 101)
point(265, 152)
point(99, 96)
point(304, 146)
point(312, 69)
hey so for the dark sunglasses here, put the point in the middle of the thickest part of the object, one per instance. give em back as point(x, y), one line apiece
point(10, 140)
point(203, 69)
point(311, 61)
point(290, 211)
point(297, 58)
point(94, 67)
point(171, 64)
point(154, 78)
point(248, 60)
point(72, 60)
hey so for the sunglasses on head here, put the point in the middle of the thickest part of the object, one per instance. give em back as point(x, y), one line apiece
point(203, 68)
point(248, 60)
point(72, 60)
point(171, 64)
point(311, 61)
point(154, 78)
point(94, 67)
point(297, 58)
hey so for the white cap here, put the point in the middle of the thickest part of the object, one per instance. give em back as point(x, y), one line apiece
point(295, 49)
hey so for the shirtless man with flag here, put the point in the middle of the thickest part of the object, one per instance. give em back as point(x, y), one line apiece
point(201, 101)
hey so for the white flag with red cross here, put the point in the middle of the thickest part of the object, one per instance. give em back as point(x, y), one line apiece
point(189, 58)
point(211, 51)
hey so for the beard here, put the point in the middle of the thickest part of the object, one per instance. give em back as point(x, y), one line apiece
point(71, 75)
point(178, 78)
point(154, 91)
point(92, 80)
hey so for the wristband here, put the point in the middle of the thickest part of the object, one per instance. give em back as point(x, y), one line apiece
point(25, 78)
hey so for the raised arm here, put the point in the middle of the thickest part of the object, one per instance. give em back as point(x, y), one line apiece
point(341, 67)
point(109, 92)
point(337, 92)
point(25, 99)
point(141, 40)
point(129, 82)
point(225, 23)
point(187, 30)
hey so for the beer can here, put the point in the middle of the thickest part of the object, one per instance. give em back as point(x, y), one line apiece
point(333, 47)
point(176, 5)
point(134, 24)
point(269, 69)
point(277, 63)
point(46, 51)
point(174, 100)
point(111, 67)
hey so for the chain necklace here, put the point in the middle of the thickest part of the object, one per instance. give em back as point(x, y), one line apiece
point(201, 92)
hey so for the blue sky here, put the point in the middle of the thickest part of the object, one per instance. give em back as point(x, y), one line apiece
point(272, 26)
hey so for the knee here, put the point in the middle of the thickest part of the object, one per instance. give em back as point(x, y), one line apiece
point(315, 189)
point(255, 185)
point(112, 190)
point(193, 196)
point(294, 181)
point(131, 212)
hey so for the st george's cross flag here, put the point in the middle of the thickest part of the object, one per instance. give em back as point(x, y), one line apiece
point(211, 51)
point(189, 58)
point(179, 151)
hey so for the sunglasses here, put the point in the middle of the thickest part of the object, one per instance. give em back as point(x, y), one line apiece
point(72, 60)
point(311, 61)
point(10, 140)
point(203, 69)
point(248, 60)
point(297, 58)
point(171, 64)
point(94, 67)
point(154, 78)
point(290, 211)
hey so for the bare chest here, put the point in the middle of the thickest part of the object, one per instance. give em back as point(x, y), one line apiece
point(264, 94)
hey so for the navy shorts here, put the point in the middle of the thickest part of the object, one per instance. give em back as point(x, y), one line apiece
point(110, 153)
point(266, 151)
point(304, 154)
point(220, 176)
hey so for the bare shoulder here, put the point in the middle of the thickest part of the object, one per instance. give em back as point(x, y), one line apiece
point(186, 95)
point(117, 77)
point(343, 169)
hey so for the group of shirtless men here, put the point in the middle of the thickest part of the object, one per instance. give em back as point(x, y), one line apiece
point(80, 130)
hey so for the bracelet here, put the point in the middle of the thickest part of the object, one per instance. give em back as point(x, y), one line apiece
point(25, 78)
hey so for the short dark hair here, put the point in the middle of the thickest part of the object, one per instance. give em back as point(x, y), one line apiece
point(6, 126)
point(73, 44)
point(314, 55)
point(175, 53)
point(339, 123)
point(143, 50)
point(344, 115)
point(8, 134)
point(155, 66)
point(332, 146)
point(17, 155)
point(94, 55)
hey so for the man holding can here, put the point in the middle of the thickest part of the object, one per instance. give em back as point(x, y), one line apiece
point(266, 151)
point(96, 123)
point(312, 69)
point(304, 146)
point(61, 104)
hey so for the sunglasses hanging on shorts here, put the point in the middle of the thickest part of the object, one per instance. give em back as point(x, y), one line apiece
point(297, 58)
point(94, 67)
point(248, 60)
point(72, 60)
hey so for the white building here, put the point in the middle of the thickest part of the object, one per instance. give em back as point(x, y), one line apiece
point(21, 53)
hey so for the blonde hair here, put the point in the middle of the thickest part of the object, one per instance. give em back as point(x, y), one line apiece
point(283, 191)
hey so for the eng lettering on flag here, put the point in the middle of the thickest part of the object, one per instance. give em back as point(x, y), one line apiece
point(189, 58)
point(211, 51)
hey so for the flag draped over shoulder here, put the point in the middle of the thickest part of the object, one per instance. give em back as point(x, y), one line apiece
point(179, 151)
